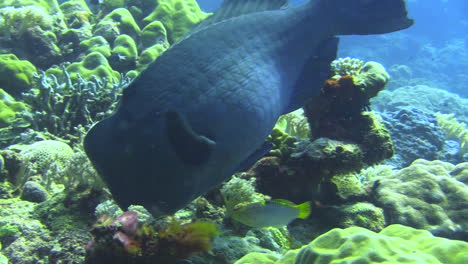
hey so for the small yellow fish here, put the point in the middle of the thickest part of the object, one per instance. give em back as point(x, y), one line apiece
point(273, 213)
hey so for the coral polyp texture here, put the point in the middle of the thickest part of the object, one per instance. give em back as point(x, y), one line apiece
point(394, 244)
point(425, 195)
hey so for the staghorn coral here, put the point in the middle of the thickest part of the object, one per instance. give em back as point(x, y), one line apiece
point(66, 109)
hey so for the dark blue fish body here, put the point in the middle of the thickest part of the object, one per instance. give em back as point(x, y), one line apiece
point(203, 109)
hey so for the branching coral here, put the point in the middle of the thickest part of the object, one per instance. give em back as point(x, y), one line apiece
point(346, 66)
point(67, 108)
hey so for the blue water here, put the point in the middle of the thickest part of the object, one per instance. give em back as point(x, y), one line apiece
point(435, 48)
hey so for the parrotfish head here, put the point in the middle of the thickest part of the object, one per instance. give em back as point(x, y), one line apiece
point(155, 161)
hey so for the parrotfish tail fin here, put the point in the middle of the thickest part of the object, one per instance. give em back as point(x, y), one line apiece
point(365, 17)
point(304, 210)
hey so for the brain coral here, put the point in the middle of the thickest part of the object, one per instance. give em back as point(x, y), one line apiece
point(48, 158)
point(425, 195)
point(394, 244)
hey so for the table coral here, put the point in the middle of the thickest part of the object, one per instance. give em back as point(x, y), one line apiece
point(394, 244)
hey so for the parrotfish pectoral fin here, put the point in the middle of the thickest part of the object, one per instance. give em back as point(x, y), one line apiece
point(254, 157)
point(314, 73)
point(190, 147)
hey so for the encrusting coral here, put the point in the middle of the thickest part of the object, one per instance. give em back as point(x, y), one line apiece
point(394, 244)
point(125, 240)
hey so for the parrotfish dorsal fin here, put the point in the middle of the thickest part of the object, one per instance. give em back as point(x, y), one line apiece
point(313, 75)
point(191, 148)
point(234, 8)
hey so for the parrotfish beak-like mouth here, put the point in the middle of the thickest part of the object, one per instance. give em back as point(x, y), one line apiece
point(136, 172)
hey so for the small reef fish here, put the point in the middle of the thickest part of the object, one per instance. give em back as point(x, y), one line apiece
point(203, 109)
point(272, 213)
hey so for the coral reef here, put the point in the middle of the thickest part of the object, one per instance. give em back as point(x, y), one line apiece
point(394, 244)
point(63, 66)
point(425, 195)
point(414, 134)
point(239, 191)
point(124, 240)
point(10, 109)
point(52, 231)
point(424, 98)
point(299, 176)
point(454, 130)
point(67, 108)
point(294, 124)
point(16, 76)
point(337, 113)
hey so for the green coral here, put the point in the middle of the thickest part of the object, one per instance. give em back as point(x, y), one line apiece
point(47, 158)
point(9, 108)
point(258, 258)
point(425, 195)
point(454, 129)
point(14, 21)
point(346, 66)
point(16, 76)
point(240, 191)
point(394, 244)
point(7, 229)
point(372, 78)
point(96, 44)
point(154, 33)
point(295, 124)
point(124, 53)
point(94, 65)
point(119, 21)
point(109, 5)
point(149, 55)
point(178, 16)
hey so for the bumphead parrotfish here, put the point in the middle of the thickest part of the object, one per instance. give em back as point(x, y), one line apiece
point(203, 109)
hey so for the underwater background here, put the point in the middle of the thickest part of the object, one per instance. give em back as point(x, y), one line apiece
point(375, 167)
